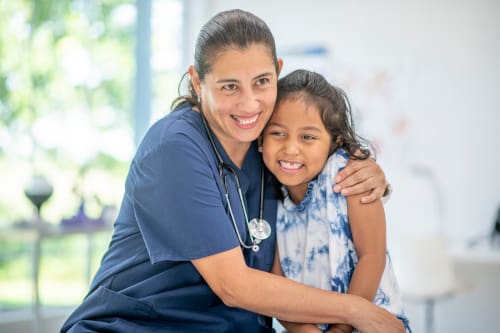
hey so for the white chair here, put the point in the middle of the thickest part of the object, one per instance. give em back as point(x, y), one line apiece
point(425, 272)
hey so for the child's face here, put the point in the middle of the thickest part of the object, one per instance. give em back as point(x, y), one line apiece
point(295, 145)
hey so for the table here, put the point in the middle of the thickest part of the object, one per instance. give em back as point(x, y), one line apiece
point(36, 233)
point(480, 252)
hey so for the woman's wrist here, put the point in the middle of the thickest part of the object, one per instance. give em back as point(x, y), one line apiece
point(357, 312)
point(353, 309)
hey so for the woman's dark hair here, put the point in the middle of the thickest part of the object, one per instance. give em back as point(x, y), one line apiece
point(333, 106)
point(235, 29)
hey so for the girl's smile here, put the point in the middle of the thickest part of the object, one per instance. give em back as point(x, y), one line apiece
point(290, 166)
point(295, 145)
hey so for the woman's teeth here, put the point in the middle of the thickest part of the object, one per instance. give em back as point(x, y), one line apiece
point(246, 121)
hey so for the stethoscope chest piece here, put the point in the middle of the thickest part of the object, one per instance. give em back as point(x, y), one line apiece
point(259, 228)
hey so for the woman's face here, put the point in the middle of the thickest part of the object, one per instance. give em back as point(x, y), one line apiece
point(238, 94)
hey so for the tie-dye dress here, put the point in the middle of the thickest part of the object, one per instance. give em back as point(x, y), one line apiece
point(315, 241)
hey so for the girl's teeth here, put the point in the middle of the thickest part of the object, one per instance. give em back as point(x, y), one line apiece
point(290, 165)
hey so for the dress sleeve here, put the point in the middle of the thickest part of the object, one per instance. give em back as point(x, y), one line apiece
point(178, 205)
point(335, 163)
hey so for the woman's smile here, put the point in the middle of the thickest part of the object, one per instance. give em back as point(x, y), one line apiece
point(238, 95)
point(246, 122)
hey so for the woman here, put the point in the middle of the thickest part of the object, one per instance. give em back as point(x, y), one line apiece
point(182, 257)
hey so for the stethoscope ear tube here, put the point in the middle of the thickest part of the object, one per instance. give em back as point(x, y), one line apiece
point(258, 228)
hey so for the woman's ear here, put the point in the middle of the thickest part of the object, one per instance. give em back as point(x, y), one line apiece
point(259, 144)
point(195, 79)
point(280, 66)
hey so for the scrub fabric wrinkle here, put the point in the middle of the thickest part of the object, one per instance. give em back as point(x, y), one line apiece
point(162, 230)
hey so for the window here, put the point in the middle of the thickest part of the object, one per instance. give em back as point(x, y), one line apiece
point(67, 85)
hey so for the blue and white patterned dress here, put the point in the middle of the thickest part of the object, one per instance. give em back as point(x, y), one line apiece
point(315, 241)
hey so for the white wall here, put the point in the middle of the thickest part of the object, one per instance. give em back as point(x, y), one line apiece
point(424, 77)
point(440, 68)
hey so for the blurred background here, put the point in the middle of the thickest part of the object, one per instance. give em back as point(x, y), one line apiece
point(82, 80)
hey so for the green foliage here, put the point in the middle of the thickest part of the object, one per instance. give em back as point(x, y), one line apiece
point(45, 45)
point(63, 279)
point(66, 69)
point(66, 73)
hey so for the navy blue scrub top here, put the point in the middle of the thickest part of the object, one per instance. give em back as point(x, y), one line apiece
point(174, 211)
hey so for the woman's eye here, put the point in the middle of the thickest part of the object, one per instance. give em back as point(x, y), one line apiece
point(230, 87)
point(262, 81)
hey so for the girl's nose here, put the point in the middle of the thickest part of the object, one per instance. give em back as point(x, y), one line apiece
point(291, 147)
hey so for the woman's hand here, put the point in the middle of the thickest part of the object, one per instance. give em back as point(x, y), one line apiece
point(302, 328)
point(361, 176)
point(370, 318)
point(340, 328)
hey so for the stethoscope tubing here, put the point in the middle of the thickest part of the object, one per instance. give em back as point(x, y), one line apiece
point(254, 246)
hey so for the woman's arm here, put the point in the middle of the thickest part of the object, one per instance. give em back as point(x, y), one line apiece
point(360, 176)
point(241, 286)
point(367, 222)
point(291, 326)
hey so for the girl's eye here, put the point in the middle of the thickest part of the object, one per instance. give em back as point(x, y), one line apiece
point(276, 133)
point(308, 137)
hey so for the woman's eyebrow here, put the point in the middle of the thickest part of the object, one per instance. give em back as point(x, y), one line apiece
point(236, 81)
point(227, 81)
point(263, 75)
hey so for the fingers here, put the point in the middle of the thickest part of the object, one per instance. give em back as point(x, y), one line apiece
point(361, 176)
point(357, 183)
point(370, 186)
point(352, 167)
point(375, 194)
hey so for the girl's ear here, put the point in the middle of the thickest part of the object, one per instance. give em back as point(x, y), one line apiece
point(336, 144)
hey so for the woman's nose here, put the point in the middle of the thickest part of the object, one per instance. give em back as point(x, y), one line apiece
point(249, 102)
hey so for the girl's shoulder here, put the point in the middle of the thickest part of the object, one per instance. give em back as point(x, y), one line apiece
point(336, 162)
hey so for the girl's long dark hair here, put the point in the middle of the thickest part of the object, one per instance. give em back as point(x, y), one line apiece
point(333, 106)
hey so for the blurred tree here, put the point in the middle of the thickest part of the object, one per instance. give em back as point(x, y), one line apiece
point(66, 70)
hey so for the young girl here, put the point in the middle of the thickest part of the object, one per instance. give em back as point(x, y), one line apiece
point(324, 239)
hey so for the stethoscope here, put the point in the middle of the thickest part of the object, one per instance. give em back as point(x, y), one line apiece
point(258, 228)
